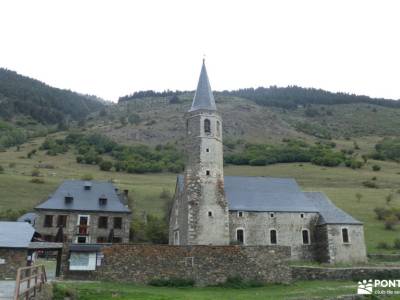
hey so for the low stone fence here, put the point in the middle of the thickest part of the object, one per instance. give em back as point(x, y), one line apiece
point(10, 260)
point(385, 257)
point(355, 273)
point(206, 265)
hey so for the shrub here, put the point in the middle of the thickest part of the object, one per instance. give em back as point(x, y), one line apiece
point(381, 213)
point(35, 173)
point(87, 177)
point(61, 293)
point(396, 243)
point(376, 168)
point(106, 165)
point(37, 180)
point(370, 184)
point(390, 222)
point(172, 282)
point(383, 245)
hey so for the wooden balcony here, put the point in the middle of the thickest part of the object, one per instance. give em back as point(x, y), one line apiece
point(82, 230)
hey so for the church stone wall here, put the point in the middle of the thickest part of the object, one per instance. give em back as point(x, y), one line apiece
point(206, 265)
point(289, 226)
point(354, 251)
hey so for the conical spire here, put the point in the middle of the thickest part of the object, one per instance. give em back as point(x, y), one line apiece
point(203, 99)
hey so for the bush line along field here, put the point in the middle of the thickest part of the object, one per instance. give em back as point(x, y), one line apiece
point(343, 185)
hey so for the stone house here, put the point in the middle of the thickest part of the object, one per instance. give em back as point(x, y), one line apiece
point(86, 212)
point(212, 209)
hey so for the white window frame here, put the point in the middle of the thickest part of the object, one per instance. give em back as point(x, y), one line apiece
point(348, 235)
point(309, 236)
point(92, 262)
point(87, 237)
point(244, 235)
point(79, 219)
point(269, 236)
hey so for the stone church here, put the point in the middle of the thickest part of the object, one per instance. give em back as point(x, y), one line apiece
point(212, 209)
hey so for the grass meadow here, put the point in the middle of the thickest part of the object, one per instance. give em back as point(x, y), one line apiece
point(341, 184)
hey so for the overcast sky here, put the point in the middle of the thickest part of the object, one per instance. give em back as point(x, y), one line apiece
point(113, 48)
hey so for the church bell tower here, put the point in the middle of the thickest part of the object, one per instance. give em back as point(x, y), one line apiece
point(207, 208)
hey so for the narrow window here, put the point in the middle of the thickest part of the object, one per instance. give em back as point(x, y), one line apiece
point(272, 215)
point(306, 238)
point(240, 214)
point(117, 223)
point(302, 216)
point(218, 129)
point(240, 236)
point(48, 221)
point(273, 237)
point(102, 201)
point(62, 221)
point(345, 235)
point(176, 238)
point(207, 150)
point(103, 222)
point(210, 213)
point(208, 172)
point(207, 126)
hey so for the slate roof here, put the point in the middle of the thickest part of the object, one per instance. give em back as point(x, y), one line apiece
point(29, 217)
point(15, 234)
point(203, 98)
point(85, 200)
point(329, 213)
point(267, 194)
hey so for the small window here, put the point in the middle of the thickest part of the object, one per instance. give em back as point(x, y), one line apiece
point(240, 236)
point(117, 240)
point(103, 222)
point(81, 239)
point(208, 172)
point(207, 126)
point(208, 150)
point(240, 214)
point(102, 201)
point(68, 199)
point(306, 237)
point(210, 213)
point(62, 221)
point(101, 239)
point(218, 128)
point(345, 235)
point(273, 237)
point(302, 216)
point(272, 215)
point(117, 223)
point(48, 221)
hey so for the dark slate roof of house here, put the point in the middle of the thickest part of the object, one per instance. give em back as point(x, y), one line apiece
point(267, 194)
point(203, 99)
point(329, 213)
point(15, 234)
point(85, 200)
point(29, 217)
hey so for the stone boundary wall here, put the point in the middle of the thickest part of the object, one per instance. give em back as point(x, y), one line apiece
point(356, 273)
point(387, 257)
point(14, 258)
point(206, 265)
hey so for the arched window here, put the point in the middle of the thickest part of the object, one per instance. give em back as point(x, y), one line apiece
point(218, 128)
point(306, 237)
point(240, 236)
point(176, 238)
point(273, 237)
point(207, 126)
point(345, 235)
